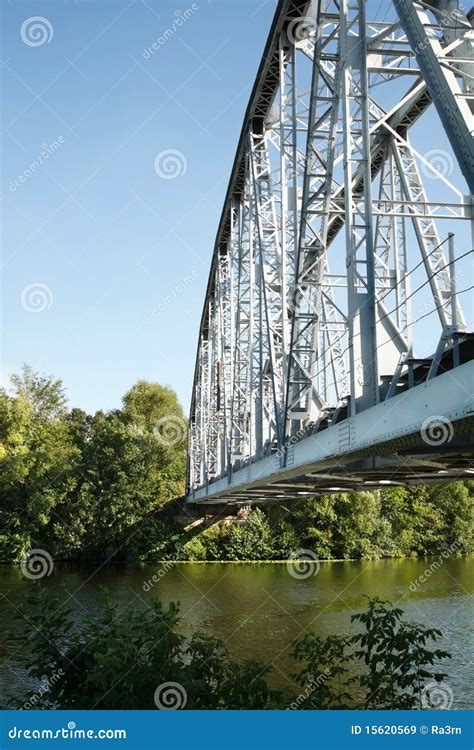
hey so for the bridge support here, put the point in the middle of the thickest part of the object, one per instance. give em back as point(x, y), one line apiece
point(311, 335)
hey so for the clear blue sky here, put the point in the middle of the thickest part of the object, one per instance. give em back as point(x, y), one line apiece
point(112, 241)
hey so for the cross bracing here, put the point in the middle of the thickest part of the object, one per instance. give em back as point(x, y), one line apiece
point(337, 239)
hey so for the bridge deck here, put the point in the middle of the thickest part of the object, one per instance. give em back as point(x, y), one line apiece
point(398, 441)
point(335, 272)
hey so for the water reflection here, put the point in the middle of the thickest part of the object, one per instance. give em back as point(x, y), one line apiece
point(259, 609)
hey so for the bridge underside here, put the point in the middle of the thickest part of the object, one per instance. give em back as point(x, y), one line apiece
point(400, 442)
point(334, 353)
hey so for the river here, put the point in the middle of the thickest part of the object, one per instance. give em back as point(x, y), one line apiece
point(258, 609)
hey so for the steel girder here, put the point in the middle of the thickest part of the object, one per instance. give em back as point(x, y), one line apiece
point(302, 326)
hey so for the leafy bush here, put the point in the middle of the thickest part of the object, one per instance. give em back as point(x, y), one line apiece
point(117, 659)
point(385, 666)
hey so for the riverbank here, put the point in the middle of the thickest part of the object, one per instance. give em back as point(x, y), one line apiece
point(259, 609)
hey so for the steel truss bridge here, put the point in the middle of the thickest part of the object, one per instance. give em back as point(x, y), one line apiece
point(334, 266)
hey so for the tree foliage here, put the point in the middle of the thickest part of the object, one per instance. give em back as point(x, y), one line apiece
point(73, 483)
point(99, 486)
point(393, 522)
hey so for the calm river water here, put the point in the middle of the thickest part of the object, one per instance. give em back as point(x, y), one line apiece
point(258, 609)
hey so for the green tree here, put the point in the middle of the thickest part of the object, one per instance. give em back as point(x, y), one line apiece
point(45, 393)
point(396, 656)
point(153, 405)
point(37, 461)
point(455, 502)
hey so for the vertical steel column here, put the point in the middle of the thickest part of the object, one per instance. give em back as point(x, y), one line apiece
point(358, 208)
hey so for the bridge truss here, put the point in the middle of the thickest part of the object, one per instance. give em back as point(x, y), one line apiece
point(309, 337)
